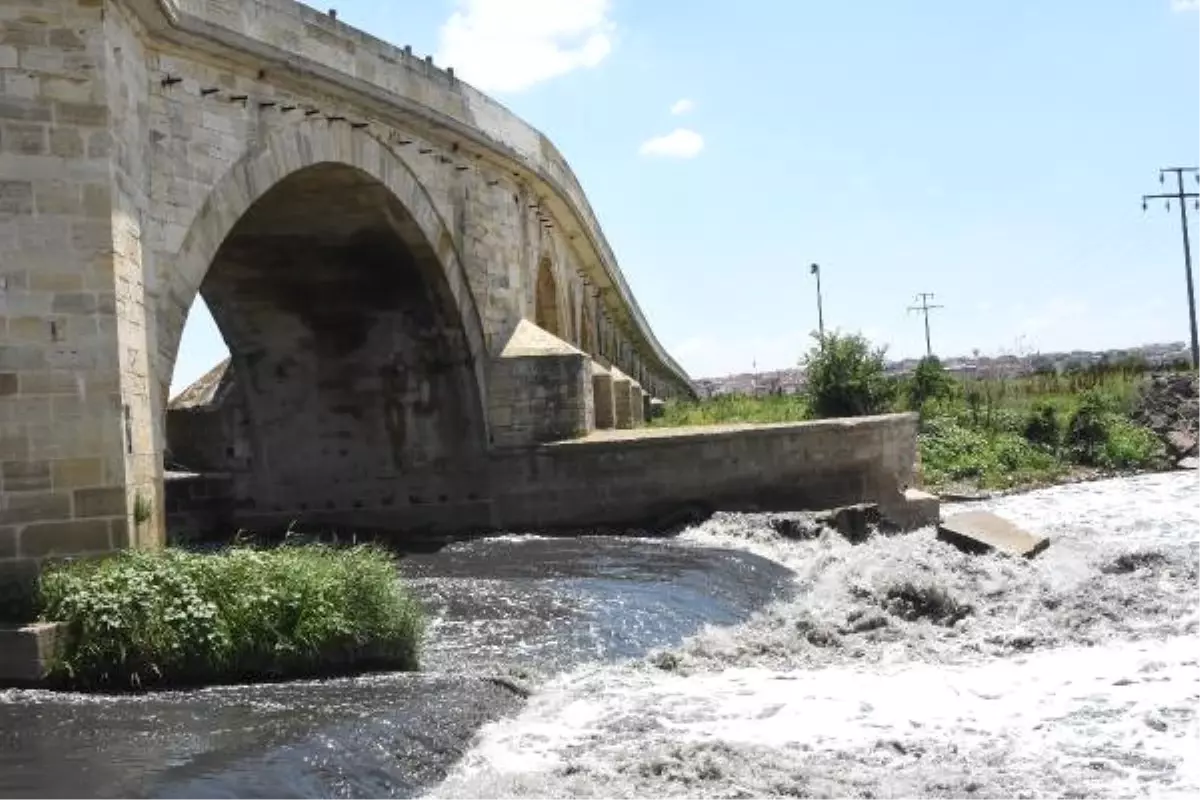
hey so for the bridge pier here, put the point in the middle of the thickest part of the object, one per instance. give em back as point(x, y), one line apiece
point(79, 439)
point(602, 393)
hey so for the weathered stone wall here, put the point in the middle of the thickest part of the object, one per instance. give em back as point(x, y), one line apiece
point(640, 477)
point(644, 477)
point(76, 444)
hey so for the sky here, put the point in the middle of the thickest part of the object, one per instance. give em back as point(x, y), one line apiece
point(993, 152)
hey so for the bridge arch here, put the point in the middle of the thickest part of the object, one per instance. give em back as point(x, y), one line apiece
point(354, 338)
point(547, 306)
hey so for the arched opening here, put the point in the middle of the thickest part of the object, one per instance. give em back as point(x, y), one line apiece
point(587, 335)
point(546, 300)
point(350, 396)
point(573, 313)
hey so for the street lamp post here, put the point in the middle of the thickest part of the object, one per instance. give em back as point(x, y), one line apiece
point(816, 270)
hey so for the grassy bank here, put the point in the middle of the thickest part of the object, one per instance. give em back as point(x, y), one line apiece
point(140, 619)
point(985, 433)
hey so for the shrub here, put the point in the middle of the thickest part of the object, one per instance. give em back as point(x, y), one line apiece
point(1130, 446)
point(1042, 425)
point(138, 619)
point(1086, 432)
point(846, 377)
point(929, 382)
point(953, 452)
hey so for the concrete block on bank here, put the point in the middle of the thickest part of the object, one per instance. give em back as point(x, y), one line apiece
point(983, 532)
point(26, 651)
point(914, 509)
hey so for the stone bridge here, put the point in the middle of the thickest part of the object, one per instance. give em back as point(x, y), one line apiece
point(408, 276)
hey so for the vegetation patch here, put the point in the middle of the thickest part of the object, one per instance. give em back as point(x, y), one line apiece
point(985, 431)
point(141, 619)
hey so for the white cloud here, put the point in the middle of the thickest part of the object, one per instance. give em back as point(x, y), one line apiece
point(1185, 5)
point(679, 143)
point(511, 45)
point(682, 106)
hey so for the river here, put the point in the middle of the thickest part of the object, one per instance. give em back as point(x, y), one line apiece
point(725, 662)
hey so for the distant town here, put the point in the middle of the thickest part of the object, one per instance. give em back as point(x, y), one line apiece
point(791, 381)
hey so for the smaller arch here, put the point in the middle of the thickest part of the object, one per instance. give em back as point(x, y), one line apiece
point(546, 307)
point(573, 314)
point(587, 336)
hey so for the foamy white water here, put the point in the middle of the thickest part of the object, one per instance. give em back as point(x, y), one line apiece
point(903, 667)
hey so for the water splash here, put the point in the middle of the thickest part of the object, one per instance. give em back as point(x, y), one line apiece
point(902, 666)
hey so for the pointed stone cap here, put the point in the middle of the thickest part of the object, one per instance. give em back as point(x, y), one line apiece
point(528, 339)
point(204, 391)
point(619, 376)
point(597, 369)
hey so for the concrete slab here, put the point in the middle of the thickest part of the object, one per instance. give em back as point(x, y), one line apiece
point(983, 532)
point(915, 509)
point(25, 652)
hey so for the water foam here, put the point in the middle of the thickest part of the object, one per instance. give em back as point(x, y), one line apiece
point(903, 667)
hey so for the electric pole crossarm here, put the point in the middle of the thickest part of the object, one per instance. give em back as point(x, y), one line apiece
point(1171, 196)
point(925, 308)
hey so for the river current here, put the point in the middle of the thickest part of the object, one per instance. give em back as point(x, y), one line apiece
point(728, 661)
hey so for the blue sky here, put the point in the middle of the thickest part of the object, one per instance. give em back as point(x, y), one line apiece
point(993, 152)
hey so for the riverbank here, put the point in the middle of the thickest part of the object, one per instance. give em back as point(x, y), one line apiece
point(1000, 435)
point(140, 620)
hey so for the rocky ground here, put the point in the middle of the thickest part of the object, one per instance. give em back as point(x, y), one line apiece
point(1169, 405)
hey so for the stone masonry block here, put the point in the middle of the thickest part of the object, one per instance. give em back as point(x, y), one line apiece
point(623, 411)
point(25, 476)
point(100, 502)
point(43, 539)
point(19, 507)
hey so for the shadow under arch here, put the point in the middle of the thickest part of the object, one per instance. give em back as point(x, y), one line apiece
point(355, 344)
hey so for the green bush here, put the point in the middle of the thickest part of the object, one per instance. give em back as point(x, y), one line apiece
point(138, 619)
point(952, 452)
point(1042, 425)
point(929, 382)
point(846, 377)
point(1087, 431)
point(1131, 446)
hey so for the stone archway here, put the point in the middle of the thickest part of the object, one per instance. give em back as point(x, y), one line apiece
point(355, 344)
point(546, 307)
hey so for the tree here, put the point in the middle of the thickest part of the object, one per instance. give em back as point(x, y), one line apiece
point(929, 382)
point(846, 377)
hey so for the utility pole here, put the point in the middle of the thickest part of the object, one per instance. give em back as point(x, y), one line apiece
point(1181, 197)
point(816, 270)
point(925, 308)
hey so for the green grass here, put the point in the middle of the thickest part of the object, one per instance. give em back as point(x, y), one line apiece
point(141, 619)
point(729, 409)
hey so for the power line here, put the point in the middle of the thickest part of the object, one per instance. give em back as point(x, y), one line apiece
point(925, 308)
point(1181, 197)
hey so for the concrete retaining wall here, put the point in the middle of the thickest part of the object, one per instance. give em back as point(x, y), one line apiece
point(618, 477)
point(631, 478)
